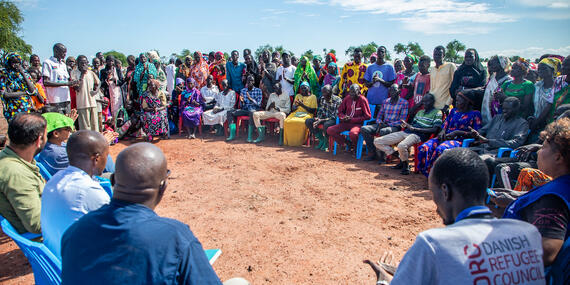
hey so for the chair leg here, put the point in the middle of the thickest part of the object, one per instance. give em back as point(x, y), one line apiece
point(359, 145)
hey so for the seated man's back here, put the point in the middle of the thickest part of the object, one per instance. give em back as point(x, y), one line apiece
point(72, 193)
point(126, 242)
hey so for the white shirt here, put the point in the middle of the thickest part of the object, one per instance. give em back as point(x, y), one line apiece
point(209, 94)
point(282, 102)
point(473, 251)
point(289, 72)
point(67, 196)
point(56, 71)
point(170, 71)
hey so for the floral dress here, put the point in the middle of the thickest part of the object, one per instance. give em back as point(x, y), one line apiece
point(13, 81)
point(190, 113)
point(154, 123)
point(432, 149)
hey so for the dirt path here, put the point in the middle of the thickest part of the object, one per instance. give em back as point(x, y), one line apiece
point(282, 215)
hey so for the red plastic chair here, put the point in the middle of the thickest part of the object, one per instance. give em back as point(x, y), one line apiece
point(271, 123)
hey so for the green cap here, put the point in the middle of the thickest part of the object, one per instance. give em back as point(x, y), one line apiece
point(57, 121)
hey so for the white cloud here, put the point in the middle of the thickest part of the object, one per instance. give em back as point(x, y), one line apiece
point(554, 4)
point(27, 3)
point(530, 52)
point(312, 2)
point(430, 17)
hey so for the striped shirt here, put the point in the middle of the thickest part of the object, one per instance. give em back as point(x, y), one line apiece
point(426, 121)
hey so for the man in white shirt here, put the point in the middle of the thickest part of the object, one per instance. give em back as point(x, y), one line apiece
point(278, 106)
point(286, 75)
point(209, 93)
point(474, 247)
point(56, 80)
point(86, 91)
point(170, 71)
point(72, 192)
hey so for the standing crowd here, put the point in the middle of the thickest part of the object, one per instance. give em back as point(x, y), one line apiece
point(459, 121)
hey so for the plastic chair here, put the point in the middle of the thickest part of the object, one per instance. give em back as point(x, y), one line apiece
point(271, 122)
point(43, 171)
point(46, 267)
point(106, 184)
point(500, 153)
point(360, 141)
point(212, 254)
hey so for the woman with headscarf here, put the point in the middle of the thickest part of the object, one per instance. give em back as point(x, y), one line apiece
point(143, 72)
point(191, 107)
point(331, 78)
point(304, 107)
point(16, 87)
point(561, 88)
point(543, 96)
point(184, 69)
point(199, 70)
point(456, 127)
point(160, 74)
point(218, 68)
point(153, 102)
point(373, 58)
point(306, 73)
point(499, 67)
point(470, 74)
point(330, 58)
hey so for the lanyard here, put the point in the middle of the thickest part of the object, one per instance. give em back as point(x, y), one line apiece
point(471, 211)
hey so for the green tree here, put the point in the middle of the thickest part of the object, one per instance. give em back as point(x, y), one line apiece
point(185, 52)
point(118, 55)
point(452, 50)
point(367, 50)
point(308, 54)
point(410, 48)
point(325, 52)
point(10, 25)
point(271, 49)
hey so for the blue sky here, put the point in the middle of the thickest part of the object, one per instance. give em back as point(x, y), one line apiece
point(523, 27)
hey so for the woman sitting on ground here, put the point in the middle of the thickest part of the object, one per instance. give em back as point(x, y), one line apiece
point(153, 102)
point(456, 127)
point(191, 107)
point(304, 107)
point(225, 100)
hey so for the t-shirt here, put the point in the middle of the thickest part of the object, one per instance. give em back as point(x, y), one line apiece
point(378, 92)
point(289, 73)
point(56, 71)
point(84, 99)
point(425, 120)
point(474, 251)
point(511, 89)
point(440, 81)
point(421, 87)
point(53, 157)
point(549, 215)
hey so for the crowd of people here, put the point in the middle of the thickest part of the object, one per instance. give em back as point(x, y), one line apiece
point(460, 118)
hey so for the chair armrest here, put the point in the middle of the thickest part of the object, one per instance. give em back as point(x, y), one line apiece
point(502, 151)
point(467, 142)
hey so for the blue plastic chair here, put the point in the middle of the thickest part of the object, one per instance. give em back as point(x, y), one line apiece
point(500, 153)
point(360, 142)
point(46, 267)
point(106, 184)
point(43, 170)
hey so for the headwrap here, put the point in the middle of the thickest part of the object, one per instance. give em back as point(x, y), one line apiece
point(179, 81)
point(57, 121)
point(221, 54)
point(153, 55)
point(532, 66)
point(318, 57)
point(190, 80)
point(333, 57)
point(335, 68)
point(553, 63)
point(504, 61)
point(310, 74)
point(413, 57)
point(373, 55)
point(524, 63)
point(9, 56)
point(305, 83)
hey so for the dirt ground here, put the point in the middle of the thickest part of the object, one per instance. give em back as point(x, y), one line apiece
point(281, 215)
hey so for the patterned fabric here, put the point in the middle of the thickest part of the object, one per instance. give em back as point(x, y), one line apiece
point(352, 73)
point(328, 110)
point(218, 69)
point(255, 94)
point(561, 97)
point(307, 74)
point(139, 70)
point(432, 149)
point(199, 71)
point(154, 123)
point(393, 114)
point(191, 106)
point(13, 81)
point(530, 178)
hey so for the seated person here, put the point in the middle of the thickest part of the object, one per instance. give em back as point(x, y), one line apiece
point(504, 130)
point(250, 101)
point(209, 93)
point(304, 107)
point(548, 207)
point(352, 112)
point(426, 122)
point(72, 192)
point(191, 107)
point(392, 112)
point(21, 184)
point(466, 250)
point(278, 106)
point(126, 242)
point(225, 101)
point(326, 116)
point(54, 157)
point(456, 127)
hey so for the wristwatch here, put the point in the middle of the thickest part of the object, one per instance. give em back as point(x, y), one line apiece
point(382, 282)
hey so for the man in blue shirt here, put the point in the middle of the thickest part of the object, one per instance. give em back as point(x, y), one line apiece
point(250, 101)
point(379, 77)
point(126, 242)
point(234, 71)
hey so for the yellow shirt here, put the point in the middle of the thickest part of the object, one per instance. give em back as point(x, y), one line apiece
point(352, 73)
point(440, 81)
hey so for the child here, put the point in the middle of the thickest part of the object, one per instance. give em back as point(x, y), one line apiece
point(419, 86)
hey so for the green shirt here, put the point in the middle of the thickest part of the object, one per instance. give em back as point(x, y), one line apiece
point(21, 186)
point(520, 91)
